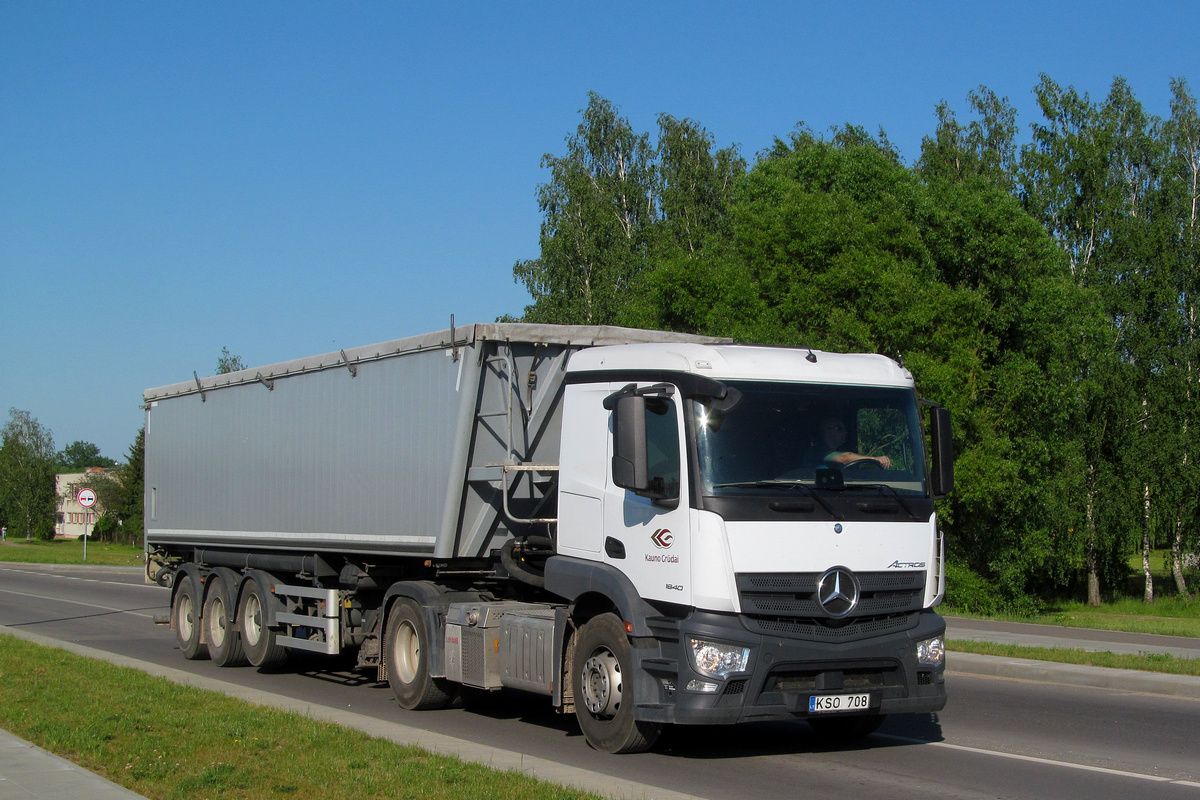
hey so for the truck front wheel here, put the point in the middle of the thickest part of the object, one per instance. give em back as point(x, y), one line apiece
point(602, 681)
point(406, 644)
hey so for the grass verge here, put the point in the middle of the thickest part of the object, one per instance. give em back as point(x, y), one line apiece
point(175, 742)
point(1168, 616)
point(1147, 662)
point(70, 551)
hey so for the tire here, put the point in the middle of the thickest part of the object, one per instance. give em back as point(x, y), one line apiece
point(846, 729)
point(185, 618)
point(259, 642)
point(406, 646)
point(224, 641)
point(602, 682)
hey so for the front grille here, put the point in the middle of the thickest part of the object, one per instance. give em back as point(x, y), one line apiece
point(734, 687)
point(786, 604)
point(832, 679)
point(817, 630)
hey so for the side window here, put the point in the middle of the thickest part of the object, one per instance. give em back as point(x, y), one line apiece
point(662, 444)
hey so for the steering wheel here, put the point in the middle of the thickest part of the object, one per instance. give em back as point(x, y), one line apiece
point(860, 463)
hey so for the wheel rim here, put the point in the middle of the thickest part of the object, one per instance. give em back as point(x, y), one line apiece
point(602, 684)
point(216, 626)
point(252, 620)
point(186, 620)
point(407, 651)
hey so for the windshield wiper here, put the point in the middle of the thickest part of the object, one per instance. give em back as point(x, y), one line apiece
point(778, 484)
point(890, 490)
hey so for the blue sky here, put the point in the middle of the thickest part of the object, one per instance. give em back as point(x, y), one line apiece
point(290, 178)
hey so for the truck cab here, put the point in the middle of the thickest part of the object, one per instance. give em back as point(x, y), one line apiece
point(766, 567)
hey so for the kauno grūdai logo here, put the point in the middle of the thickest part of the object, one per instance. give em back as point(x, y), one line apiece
point(662, 538)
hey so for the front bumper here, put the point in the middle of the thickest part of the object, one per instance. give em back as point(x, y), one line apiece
point(784, 673)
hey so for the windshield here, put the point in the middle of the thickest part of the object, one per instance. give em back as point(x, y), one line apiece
point(820, 437)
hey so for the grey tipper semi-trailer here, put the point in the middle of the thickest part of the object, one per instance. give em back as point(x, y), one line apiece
point(644, 527)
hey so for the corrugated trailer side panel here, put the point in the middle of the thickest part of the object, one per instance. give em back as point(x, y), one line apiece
point(359, 462)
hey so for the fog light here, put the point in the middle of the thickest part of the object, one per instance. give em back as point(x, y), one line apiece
point(931, 652)
point(708, 687)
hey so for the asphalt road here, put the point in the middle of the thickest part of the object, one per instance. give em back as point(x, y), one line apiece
point(996, 737)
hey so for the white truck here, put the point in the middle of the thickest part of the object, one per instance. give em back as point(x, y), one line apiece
point(647, 528)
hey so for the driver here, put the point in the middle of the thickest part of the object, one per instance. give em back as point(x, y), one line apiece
point(832, 436)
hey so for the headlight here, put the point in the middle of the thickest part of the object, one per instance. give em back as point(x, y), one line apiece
point(719, 660)
point(931, 652)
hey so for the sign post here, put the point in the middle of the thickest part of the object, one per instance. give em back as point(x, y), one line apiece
point(87, 499)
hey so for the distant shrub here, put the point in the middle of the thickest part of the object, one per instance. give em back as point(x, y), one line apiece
point(969, 592)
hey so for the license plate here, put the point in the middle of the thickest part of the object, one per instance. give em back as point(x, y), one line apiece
point(839, 702)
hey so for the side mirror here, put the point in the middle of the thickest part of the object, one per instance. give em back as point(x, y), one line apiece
point(636, 440)
point(630, 463)
point(941, 472)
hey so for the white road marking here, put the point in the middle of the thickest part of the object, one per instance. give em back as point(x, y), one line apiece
point(1036, 760)
point(77, 602)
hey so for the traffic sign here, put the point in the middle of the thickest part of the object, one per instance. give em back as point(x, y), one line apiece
point(86, 498)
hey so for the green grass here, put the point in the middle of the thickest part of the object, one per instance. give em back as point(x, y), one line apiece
point(69, 551)
point(1169, 616)
point(174, 742)
point(1148, 662)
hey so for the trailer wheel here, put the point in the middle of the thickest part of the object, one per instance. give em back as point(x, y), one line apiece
point(406, 646)
point(186, 618)
point(258, 641)
point(603, 698)
point(224, 642)
point(846, 729)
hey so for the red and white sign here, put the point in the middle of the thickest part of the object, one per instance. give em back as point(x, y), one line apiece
point(86, 498)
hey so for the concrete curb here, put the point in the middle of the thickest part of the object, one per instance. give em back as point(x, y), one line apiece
point(1127, 680)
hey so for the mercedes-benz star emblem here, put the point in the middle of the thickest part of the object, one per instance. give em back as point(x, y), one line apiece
point(837, 592)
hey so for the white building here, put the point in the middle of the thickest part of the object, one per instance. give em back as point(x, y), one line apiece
point(72, 517)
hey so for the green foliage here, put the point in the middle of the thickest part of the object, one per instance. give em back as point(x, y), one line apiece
point(971, 593)
point(27, 461)
point(106, 528)
point(129, 504)
point(228, 362)
point(614, 206)
point(78, 456)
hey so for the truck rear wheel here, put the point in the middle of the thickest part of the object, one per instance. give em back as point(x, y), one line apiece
point(185, 615)
point(406, 646)
point(224, 642)
point(602, 683)
point(259, 641)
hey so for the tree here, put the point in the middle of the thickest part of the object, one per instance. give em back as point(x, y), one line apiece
point(227, 362)
point(1065, 182)
point(617, 209)
point(132, 478)
point(1181, 201)
point(596, 208)
point(985, 147)
point(78, 456)
point(27, 491)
